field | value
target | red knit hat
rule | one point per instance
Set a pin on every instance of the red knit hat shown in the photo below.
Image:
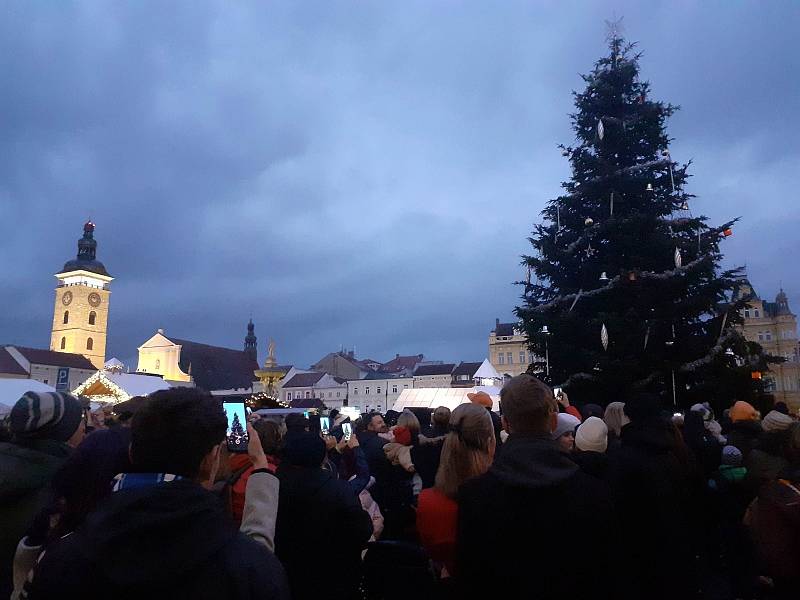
(402, 435)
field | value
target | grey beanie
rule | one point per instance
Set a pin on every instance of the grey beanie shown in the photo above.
(46, 415)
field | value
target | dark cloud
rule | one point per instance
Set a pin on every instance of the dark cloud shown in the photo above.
(353, 175)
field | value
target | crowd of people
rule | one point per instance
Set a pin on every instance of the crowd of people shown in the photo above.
(543, 500)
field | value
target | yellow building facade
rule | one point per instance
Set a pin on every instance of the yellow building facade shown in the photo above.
(774, 326)
(508, 349)
(80, 315)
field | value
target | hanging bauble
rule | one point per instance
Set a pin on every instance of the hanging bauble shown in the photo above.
(545, 331)
(665, 153)
(600, 129)
(564, 153)
(604, 336)
(755, 375)
(604, 277)
(589, 221)
(684, 205)
(649, 187)
(727, 232)
(729, 352)
(678, 258)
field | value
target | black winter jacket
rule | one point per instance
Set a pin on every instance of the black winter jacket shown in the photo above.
(171, 540)
(519, 525)
(320, 520)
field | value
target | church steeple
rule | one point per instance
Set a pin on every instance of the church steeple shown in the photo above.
(87, 254)
(250, 341)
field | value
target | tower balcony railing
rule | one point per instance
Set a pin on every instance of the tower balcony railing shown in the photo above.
(103, 286)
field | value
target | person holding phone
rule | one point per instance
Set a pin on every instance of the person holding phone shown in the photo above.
(162, 532)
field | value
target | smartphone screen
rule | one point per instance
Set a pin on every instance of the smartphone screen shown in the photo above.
(236, 435)
(556, 392)
(325, 425)
(305, 414)
(347, 430)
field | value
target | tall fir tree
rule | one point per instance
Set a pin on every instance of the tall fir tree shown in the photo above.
(625, 291)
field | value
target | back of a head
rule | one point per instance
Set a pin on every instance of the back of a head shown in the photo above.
(615, 417)
(45, 415)
(269, 433)
(643, 407)
(175, 430)
(466, 449)
(409, 420)
(296, 422)
(304, 449)
(440, 418)
(527, 404)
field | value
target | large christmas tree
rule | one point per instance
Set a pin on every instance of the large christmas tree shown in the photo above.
(624, 290)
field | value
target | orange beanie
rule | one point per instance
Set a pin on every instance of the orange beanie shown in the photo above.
(743, 411)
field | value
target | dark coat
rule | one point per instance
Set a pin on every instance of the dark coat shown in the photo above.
(592, 463)
(393, 489)
(171, 540)
(653, 496)
(319, 519)
(518, 526)
(25, 475)
(426, 454)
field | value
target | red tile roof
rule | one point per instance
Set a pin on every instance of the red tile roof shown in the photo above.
(8, 365)
(400, 363)
(434, 370)
(216, 368)
(56, 359)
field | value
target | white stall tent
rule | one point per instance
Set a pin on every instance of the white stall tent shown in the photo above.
(449, 397)
(11, 390)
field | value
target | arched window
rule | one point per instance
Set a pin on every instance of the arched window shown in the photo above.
(66, 317)
(63, 343)
(89, 344)
(158, 364)
(92, 317)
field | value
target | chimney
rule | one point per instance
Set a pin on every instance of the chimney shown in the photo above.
(497, 323)
(397, 355)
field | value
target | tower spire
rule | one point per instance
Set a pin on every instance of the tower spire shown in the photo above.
(250, 341)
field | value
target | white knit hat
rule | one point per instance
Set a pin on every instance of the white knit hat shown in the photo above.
(592, 435)
(566, 423)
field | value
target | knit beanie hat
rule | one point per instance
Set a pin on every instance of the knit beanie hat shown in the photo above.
(304, 449)
(704, 409)
(742, 411)
(46, 415)
(592, 435)
(731, 456)
(776, 421)
(402, 435)
(566, 422)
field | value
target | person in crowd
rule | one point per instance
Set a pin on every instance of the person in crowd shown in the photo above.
(591, 410)
(76, 489)
(615, 419)
(316, 513)
(45, 428)
(241, 464)
(391, 419)
(162, 533)
(406, 433)
(653, 496)
(468, 452)
(704, 446)
(711, 424)
(295, 423)
(591, 443)
(782, 408)
(774, 521)
(426, 453)
(729, 499)
(744, 429)
(564, 433)
(483, 399)
(768, 456)
(529, 509)
(348, 462)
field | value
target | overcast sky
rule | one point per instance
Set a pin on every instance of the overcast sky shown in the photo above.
(361, 174)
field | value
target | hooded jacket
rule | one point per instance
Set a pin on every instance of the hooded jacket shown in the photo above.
(320, 518)
(527, 513)
(652, 493)
(25, 474)
(170, 540)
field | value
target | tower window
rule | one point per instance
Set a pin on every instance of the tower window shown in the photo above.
(92, 317)
(63, 343)
(89, 344)
(66, 317)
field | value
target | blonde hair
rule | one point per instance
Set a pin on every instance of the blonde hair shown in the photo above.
(466, 450)
(615, 417)
(409, 420)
